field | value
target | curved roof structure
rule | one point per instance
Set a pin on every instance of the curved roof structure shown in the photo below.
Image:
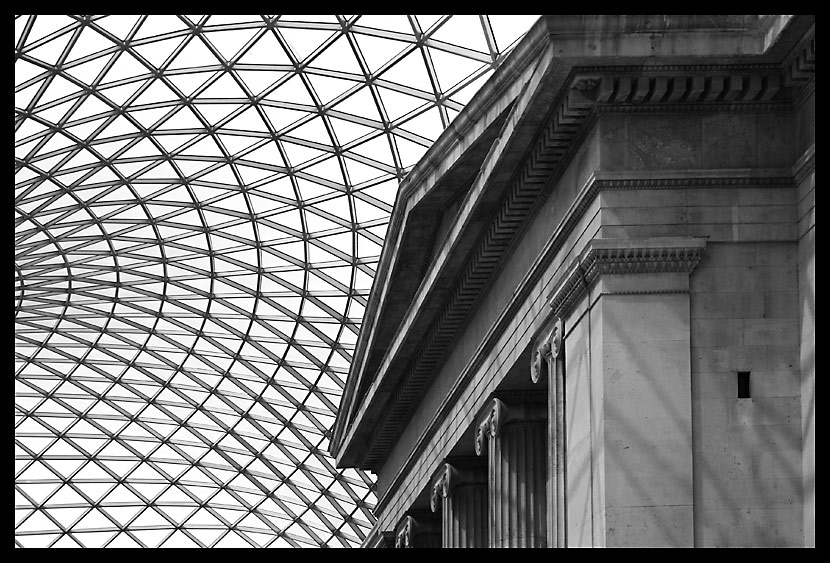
(200, 202)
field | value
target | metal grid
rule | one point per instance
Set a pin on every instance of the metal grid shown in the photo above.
(200, 204)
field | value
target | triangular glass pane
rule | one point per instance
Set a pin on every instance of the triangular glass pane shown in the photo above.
(292, 91)
(507, 28)
(410, 71)
(281, 117)
(259, 80)
(189, 82)
(248, 120)
(428, 124)
(51, 51)
(360, 104)
(409, 151)
(377, 149)
(125, 67)
(159, 25)
(194, 55)
(398, 104)
(313, 130)
(116, 94)
(45, 25)
(119, 25)
(303, 42)
(88, 71)
(298, 154)
(266, 51)
(123, 540)
(464, 30)
(266, 154)
(224, 88)
(328, 88)
(229, 41)
(450, 68)
(377, 51)
(338, 57)
(397, 22)
(157, 52)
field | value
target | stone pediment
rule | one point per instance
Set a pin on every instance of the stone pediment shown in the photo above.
(403, 341)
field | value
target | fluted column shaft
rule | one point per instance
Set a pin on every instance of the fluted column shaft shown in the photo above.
(465, 516)
(517, 474)
(461, 494)
(549, 363)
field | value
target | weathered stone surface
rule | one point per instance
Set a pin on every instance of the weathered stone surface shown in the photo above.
(728, 141)
(649, 526)
(658, 142)
(776, 140)
(614, 143)
(756, 527)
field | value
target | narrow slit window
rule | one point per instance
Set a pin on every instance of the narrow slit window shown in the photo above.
(743, 385)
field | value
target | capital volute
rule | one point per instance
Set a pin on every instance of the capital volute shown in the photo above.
(489, 424)
(441, 486)
(403, 535)
(550, 347)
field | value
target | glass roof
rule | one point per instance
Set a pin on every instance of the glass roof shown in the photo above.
(200, 205)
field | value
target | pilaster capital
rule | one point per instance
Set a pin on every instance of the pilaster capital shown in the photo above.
(547, 348)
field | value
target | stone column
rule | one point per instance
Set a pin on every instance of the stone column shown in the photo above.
(549, 362)
(516, 463)
(461, 493)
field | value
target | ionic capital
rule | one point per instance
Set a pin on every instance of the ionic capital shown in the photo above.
(441, 485)
(549, 347)
(489, 424)
(403, 534)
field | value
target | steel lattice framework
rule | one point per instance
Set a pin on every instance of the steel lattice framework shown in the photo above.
(200, 203)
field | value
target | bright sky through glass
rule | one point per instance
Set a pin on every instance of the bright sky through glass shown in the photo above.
(200, 205)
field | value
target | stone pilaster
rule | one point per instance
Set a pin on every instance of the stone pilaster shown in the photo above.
(461, 494)
(639, 392)
(516, 472)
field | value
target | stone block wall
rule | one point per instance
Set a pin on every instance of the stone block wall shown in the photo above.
(738, 482)
(744, 318)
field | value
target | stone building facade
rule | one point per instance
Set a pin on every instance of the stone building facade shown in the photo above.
(593, 319)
